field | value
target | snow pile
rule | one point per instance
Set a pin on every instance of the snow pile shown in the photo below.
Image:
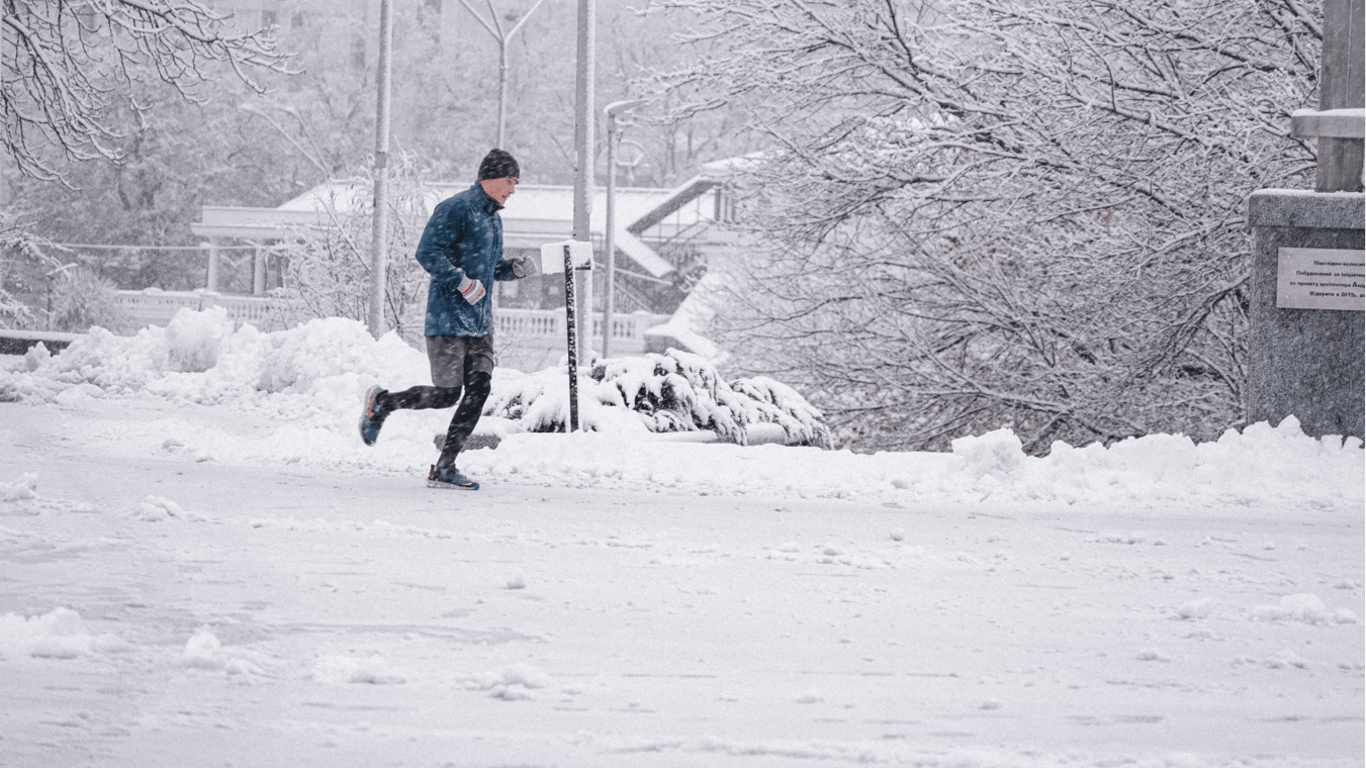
(205, 652)
(26, 487)
(1196, 609)
(1259, 464)
(60, 634)
(156, 509)
(36, 356)
(515, 682)
(1305, 608)
(199, 358)
(304, 359)
(194, 339)
(371, 669)
(997, 453)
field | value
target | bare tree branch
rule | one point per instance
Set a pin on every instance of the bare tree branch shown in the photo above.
(66, 66)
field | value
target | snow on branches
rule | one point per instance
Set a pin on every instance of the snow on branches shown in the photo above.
(1004, 212)
(66, 65)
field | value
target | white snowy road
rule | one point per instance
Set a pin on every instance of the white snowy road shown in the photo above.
(156, 610)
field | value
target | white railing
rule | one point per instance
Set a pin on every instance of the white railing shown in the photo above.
(549, 323)
(153, 307)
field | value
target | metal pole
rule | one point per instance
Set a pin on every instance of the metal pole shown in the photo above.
(583, 138)
(380, 234)
(502, 91)
(610, 255)
(573, 342)
(609, 244)
(583, 189)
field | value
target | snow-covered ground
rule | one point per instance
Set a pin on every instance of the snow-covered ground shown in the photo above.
(202, 566)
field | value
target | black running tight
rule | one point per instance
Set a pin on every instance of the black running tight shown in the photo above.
(476, 391)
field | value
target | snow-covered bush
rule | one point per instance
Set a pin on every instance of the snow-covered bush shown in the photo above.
(82, 299)
(673, 392)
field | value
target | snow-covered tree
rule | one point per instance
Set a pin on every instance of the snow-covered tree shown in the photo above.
(64, 64)
(18, 275)
(988, 212)
(327, 270)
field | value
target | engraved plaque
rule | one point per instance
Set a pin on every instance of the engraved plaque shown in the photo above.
(1321, 278)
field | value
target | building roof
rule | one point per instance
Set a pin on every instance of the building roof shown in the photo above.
(535, 215)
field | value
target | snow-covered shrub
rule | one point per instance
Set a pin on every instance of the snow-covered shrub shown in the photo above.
(82, 299)
(773, 402)
(673, 392)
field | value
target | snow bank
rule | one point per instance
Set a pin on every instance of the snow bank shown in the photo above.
(1260, 466)
(308, 383)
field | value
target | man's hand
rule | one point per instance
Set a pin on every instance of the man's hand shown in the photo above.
(524, 266)
(471, 289)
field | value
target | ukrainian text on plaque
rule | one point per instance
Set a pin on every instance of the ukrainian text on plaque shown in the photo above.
(1321, 278)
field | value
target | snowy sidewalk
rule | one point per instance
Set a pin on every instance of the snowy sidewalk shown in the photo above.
(169, 601)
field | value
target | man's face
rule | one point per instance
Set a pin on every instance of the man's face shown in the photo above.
(500, 189)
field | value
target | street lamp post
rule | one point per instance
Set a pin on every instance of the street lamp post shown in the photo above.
(380, 230)
(583, 154)
(612, 110)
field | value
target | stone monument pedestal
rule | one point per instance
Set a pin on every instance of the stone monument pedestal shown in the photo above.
(1307, 362)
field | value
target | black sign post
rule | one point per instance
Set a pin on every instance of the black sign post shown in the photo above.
(573, 341)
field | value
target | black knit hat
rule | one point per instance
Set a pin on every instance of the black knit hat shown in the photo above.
(498, 164)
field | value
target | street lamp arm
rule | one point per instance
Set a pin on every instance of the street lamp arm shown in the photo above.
(617, 107)
(522, 20)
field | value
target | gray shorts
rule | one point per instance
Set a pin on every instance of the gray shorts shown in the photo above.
(455, 357)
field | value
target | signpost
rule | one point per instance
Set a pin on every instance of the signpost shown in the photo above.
(577, 255)
(573, 340)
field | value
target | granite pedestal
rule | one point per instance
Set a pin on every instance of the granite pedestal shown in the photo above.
(1304, 362)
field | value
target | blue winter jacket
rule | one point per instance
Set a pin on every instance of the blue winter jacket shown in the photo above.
(463, 237)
